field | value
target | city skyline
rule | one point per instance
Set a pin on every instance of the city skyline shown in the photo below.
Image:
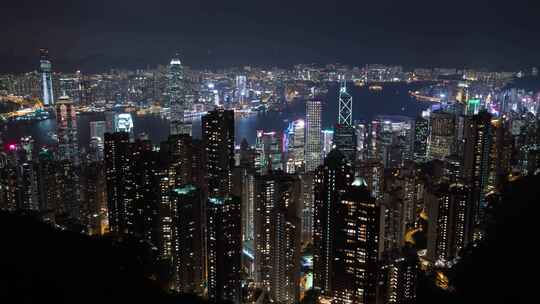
(319, 183)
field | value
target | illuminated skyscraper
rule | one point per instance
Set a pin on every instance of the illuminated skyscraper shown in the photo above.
(184, 160)
(66, 123)
(268, 146)
(178, 101)
(307, 180)
(331, 181)
(46, 78)
(218, 143)
(346, 234)
(441, 135)
(313, 135)
(450, 225)
(294, 145)
(361, 141)
(241, 89)
(224, 248)
(345, 105)
(327, 141)
(344, 133)
(400, 276)
(123, 123)
(277, 235)
(187, 212)
(356, 247)
(118, 169)
(421, 132)
(478, 135)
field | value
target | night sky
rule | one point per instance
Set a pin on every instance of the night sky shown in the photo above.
(100, 34)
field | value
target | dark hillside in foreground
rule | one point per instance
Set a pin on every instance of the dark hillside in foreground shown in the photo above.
(40, 264)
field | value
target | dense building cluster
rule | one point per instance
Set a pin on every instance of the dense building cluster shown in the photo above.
(356, 214)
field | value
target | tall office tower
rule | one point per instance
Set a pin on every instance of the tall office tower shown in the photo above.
(277, 235)
(268, 146)
(327, 142)
(223, 248)
(178, 101)
(46, 78)
(218, 143)
(450, 225)
(361, 141)
(421, 132)
(400, 275)
(294, 146)
(344, 133)
(187, 212)
(66, 123)
(396, 139)
(345, 105)
(118, 172)
(441, 139)
(331, 180)
(307, 180)
(98, 129)
(478, 141)
(313, 147)
(241, 89)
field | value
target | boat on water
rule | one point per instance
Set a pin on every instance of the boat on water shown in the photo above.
(376, 87)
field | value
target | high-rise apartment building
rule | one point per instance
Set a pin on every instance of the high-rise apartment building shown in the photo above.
(218, 145)
(346, 234)
(277, 235)
(223, 248)
(187, 213)
(450, 227)
(441, 139)
(331, 180)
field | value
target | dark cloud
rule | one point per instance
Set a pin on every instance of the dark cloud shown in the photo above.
(99, 34)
